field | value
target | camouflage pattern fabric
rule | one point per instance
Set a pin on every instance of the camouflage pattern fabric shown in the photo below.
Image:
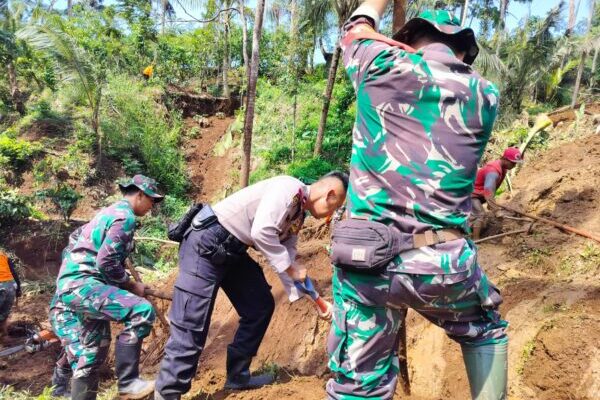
(8, 294)
(87, 297)
(81, 319)
(99, 250)
(145, 184)
(368, 310)
(422, 122)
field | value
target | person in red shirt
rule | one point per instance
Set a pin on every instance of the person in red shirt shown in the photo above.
(488, 179)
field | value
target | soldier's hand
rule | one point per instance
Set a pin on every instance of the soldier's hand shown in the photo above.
(298, 274)
(138, 288)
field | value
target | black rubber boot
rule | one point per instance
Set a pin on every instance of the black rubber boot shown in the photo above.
(85, 388)
(60, 381)
(238, 373)
(127, 368)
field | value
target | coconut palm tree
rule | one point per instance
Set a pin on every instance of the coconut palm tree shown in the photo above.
(251, 96)
(72, 64)
(11, 17)
(316, 13)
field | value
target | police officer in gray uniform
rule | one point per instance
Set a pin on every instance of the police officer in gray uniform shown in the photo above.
(267, 216)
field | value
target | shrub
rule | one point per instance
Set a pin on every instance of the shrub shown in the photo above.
(13, 207)
(16, 153)
(63, 197)
(310, 170)
(138, 127)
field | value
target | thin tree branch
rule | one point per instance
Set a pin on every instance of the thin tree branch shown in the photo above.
(203, 21)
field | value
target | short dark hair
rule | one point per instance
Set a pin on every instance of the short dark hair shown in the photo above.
(341, 176)
(129, 190)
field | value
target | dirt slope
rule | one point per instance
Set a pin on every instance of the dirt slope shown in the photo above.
(549, 281)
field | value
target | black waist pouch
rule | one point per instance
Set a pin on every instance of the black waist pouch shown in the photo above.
(366, 246)
(177, 229)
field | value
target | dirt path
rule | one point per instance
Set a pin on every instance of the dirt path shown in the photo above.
(209, 173)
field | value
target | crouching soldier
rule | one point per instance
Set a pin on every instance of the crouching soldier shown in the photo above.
(94, 289)
(267, 216)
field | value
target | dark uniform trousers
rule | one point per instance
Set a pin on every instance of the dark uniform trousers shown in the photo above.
(206, 264)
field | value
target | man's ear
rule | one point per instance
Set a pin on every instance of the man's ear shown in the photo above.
(331, 195)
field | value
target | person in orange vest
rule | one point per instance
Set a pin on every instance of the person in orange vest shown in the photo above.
(148, 71)
(10, 288)
(489, 178)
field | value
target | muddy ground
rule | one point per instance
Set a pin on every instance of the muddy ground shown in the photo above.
(549, 281)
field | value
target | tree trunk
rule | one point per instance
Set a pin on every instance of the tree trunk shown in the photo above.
(69, 8)
(399, 17)
(251, 97)
(226, 92)
(464, 13)
(578, 81)
(594, 63)
(244, 35)
(501, 25)
(327, 100)
(294, 112)
(15, 93)
(163, 16)
(571, 20)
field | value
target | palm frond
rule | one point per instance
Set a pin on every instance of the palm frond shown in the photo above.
(70, 61)
(489, 62)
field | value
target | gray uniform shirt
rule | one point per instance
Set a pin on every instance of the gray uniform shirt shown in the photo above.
(268, 216)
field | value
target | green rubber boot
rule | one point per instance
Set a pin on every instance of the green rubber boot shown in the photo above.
(487, 368)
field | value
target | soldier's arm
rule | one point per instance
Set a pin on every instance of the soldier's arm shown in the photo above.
(361, 43)
(113, 251)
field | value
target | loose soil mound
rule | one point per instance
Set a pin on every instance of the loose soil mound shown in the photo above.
(191, 103)
(548, 280)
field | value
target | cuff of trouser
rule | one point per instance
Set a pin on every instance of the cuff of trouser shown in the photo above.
(366, 10)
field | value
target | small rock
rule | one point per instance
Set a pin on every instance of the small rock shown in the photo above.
(220, 115)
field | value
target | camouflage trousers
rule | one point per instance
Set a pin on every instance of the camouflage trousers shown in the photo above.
(81, 319)
(368, 310)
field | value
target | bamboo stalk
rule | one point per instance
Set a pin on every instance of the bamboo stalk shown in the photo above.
(558, 225)
(156, 240)
(485, 239)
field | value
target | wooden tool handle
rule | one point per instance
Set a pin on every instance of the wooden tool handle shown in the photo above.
(137, 278)
(322, 304)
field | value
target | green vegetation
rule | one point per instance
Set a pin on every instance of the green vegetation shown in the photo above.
(526, 354)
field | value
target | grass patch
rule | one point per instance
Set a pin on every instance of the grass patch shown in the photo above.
(526, 354)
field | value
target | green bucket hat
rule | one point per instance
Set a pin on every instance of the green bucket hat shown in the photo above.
(445, 22)
(145, 184)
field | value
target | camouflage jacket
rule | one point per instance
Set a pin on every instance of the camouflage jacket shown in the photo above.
(97, 251)
(422, 122)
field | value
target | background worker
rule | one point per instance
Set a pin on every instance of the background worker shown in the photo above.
(268, 216)
(10, 289)
(94, 289)
(423, 119)
(488, 180)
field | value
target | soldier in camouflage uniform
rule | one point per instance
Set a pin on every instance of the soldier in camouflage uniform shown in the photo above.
(424, 117)
(93, 289)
